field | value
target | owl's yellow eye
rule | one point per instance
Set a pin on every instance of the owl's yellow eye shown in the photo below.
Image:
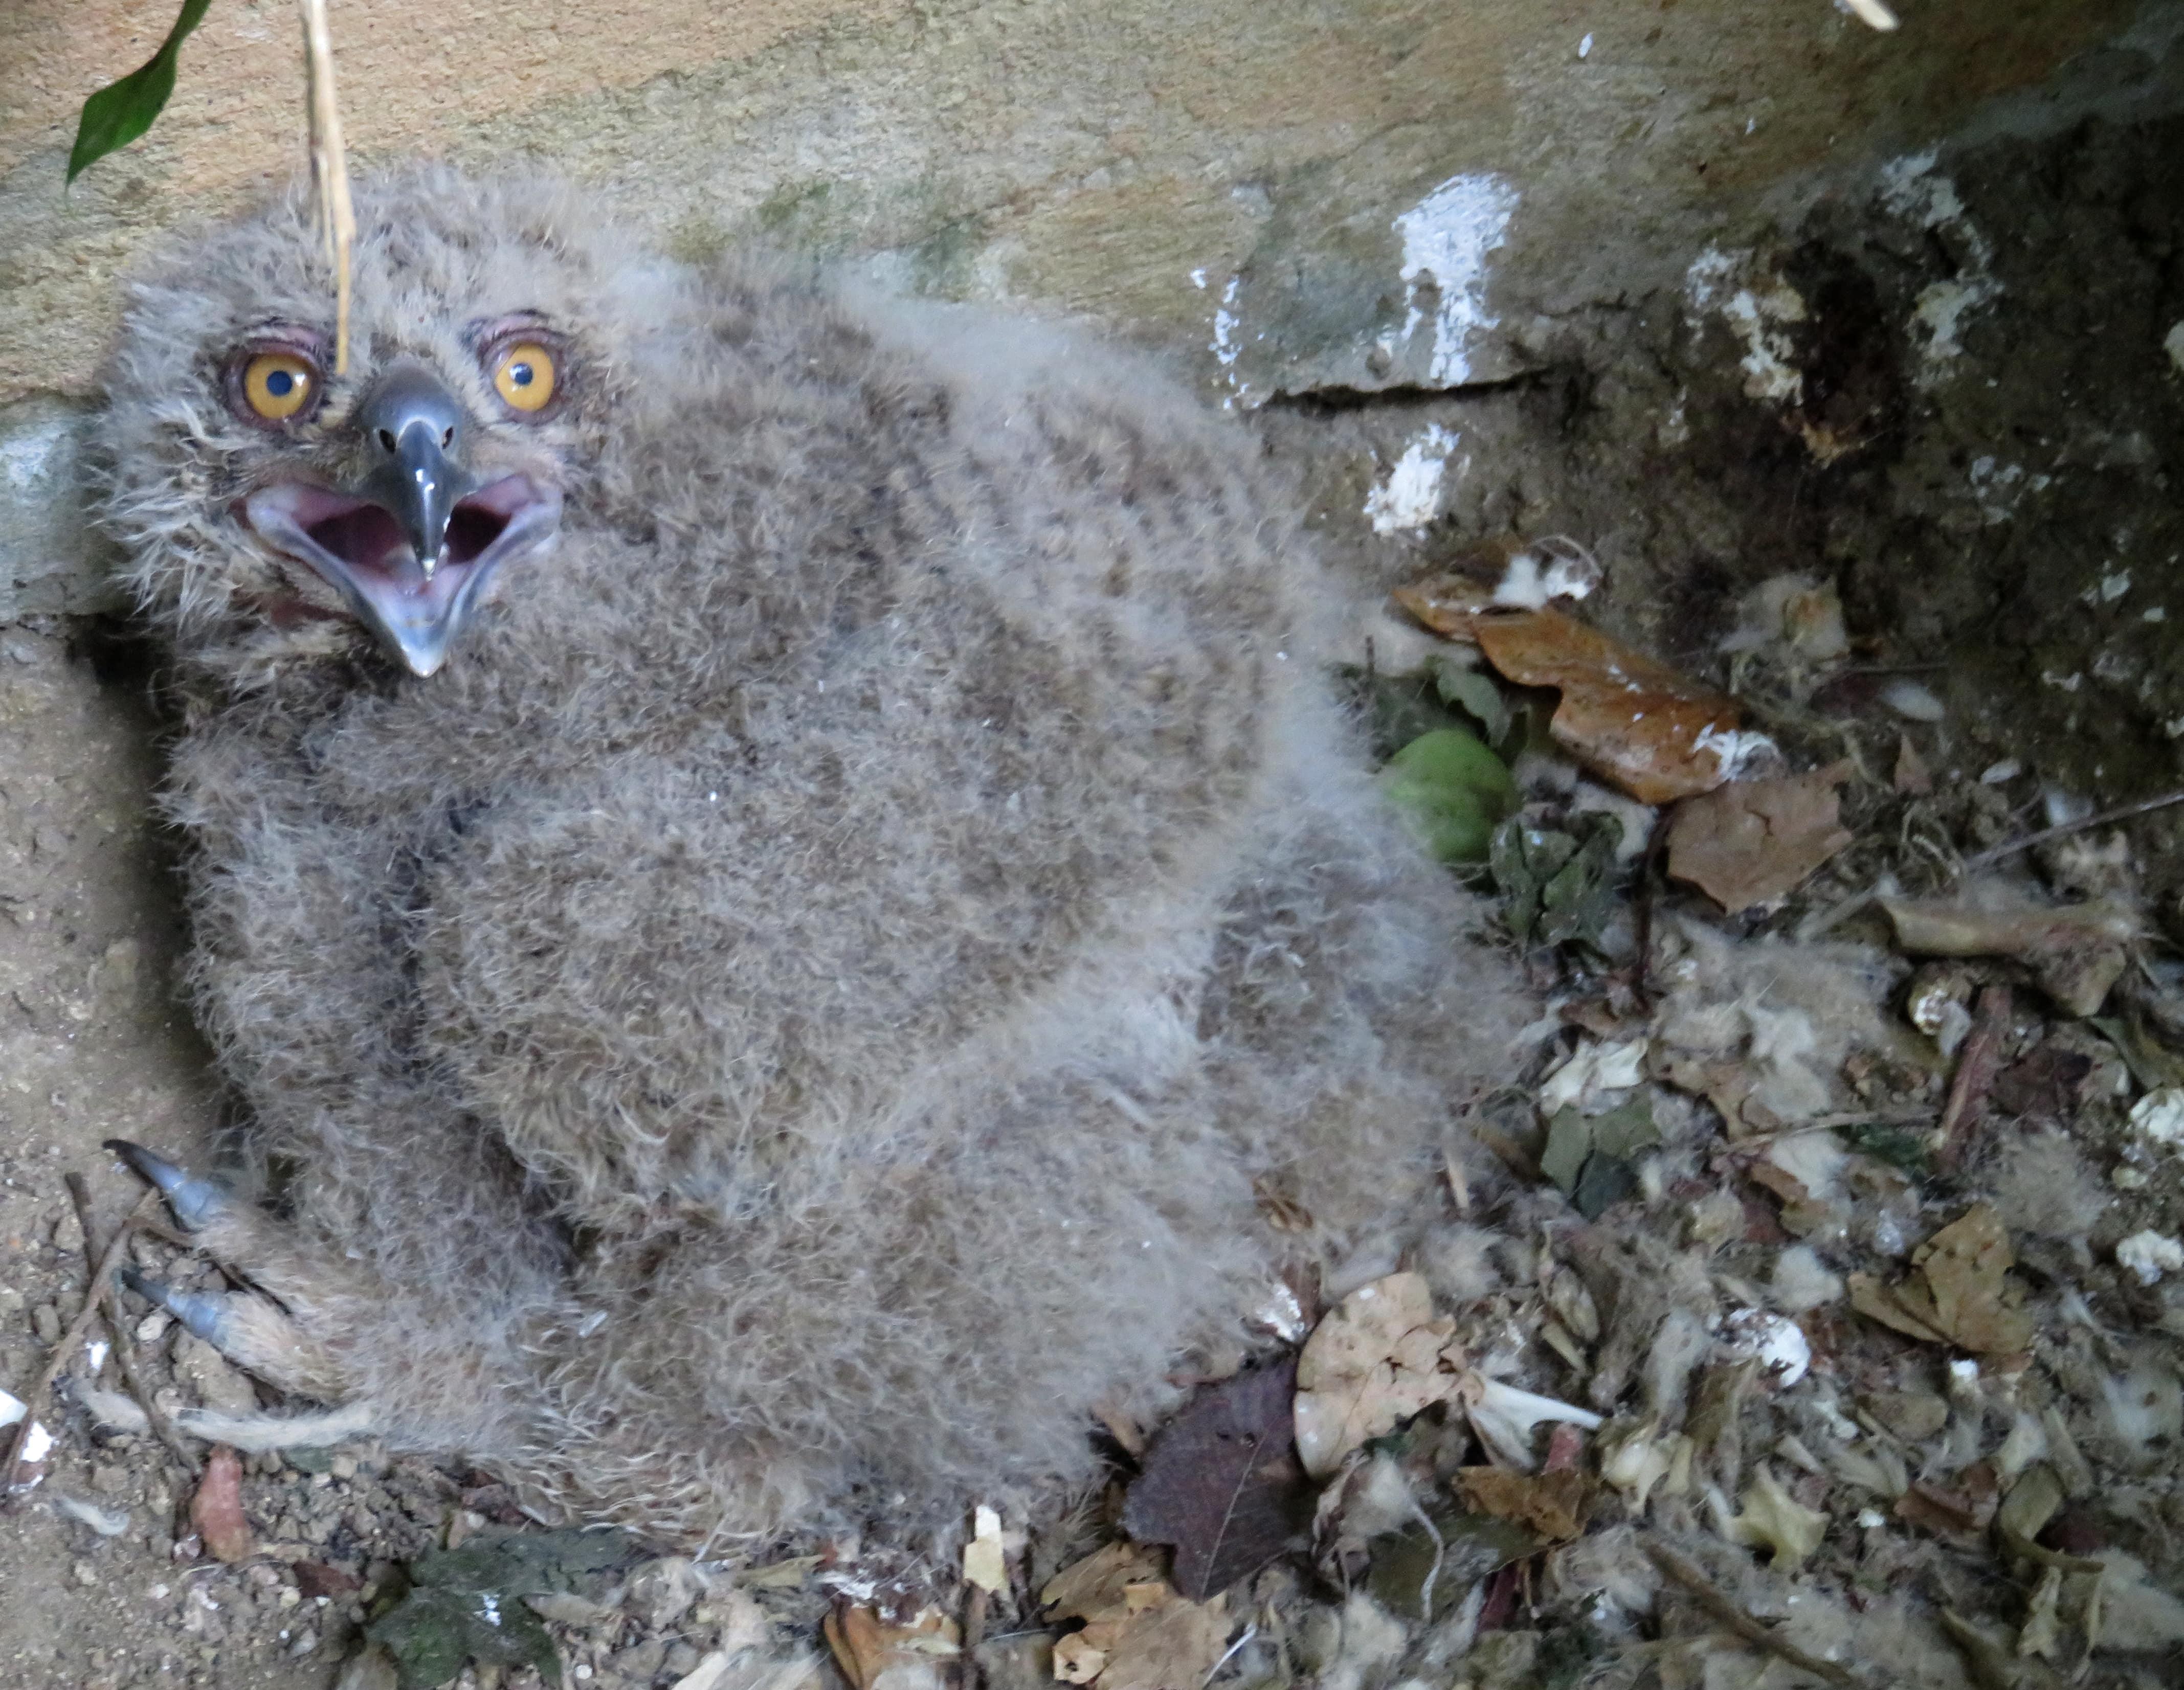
(277, 385)
(523, 376)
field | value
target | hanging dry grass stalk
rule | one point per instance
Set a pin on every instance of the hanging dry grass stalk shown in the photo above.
(329, 168)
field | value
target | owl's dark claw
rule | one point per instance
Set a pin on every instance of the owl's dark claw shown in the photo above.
(206, 1314)
(193, 1201)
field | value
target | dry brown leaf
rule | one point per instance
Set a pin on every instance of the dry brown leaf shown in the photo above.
(1657, 734)
(1172, 1646)
(1552, 1505)
(1376, 1360)
(1447, 604)
(874, 1654)
(1138, 1634)
(1750, 840)
(1097, 1585)
(1958, 1291)
(985, 1560)
(1222, 1484)
(216, 1509)
(1075, 1660)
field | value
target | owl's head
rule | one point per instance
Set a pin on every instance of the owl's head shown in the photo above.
(271, 502)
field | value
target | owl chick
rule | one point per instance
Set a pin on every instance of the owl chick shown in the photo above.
(775, 874)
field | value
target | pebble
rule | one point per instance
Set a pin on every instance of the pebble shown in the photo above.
(218, 1385)
(67, 1234)
(45, 1322)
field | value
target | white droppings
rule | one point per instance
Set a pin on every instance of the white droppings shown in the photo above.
(2150, 1255)
(2160, 1115)
(2153, 613)
(2110, 588)
(1198, 279)
(1912, 702)
(1775, 1342)
(2000, 773)
(1584, 47)
(1912, 190)
(1756, 315)
(2062, 683)
(1410, 498)
(1446, 237)
(39, 1444)
(1740, 751)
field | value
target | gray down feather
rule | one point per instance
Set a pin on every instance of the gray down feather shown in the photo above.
(828, 984)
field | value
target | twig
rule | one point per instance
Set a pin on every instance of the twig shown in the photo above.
(1649, 866)
(125, 1346)
(2064, 830)
(1689, 1575)
(65, 1351)
(329, 168)
(1974, 1076)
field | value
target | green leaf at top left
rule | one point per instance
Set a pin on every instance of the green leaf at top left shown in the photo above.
(1453, 789)
(121, 111)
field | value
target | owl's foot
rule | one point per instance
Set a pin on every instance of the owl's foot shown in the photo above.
(276, 1336)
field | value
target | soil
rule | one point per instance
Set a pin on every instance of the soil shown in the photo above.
(1953, 395)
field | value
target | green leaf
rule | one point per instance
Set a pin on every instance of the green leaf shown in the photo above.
(1477, 696)
(121, 111)
(467, 1602)
(435, 1631)
(1453, 789)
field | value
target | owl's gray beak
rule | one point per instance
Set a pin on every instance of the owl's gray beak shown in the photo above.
(412, 424)
(414, 546)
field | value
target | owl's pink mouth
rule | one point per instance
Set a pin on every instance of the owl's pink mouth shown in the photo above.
(358, 548)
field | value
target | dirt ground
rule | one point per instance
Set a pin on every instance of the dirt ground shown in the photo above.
(1956, 398)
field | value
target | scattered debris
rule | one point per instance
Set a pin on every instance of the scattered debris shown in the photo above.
(2076, 951)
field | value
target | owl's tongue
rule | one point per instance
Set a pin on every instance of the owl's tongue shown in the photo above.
(359, 549)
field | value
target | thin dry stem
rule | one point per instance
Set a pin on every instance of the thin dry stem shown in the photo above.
(1693, 1579)
(65, 1351)
(125, 1343)
(2064, 830)
(330, 169)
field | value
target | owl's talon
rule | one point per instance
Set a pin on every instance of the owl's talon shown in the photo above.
(206, 1314)
(193, 1202)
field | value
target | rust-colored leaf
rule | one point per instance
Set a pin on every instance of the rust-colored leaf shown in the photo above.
(1657, 734)
(216, 1509)
(1750, 840)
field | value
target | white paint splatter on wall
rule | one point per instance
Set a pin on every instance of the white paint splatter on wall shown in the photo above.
(1446, 237)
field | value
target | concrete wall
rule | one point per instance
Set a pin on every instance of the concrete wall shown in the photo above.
(1306, 195)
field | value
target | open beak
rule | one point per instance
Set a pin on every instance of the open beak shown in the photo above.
(414, 545)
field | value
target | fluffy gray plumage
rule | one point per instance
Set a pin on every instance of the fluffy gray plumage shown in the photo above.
(812, 997)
